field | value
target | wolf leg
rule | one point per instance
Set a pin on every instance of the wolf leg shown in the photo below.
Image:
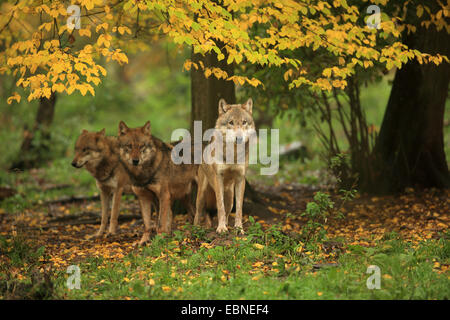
(165, 213)
(105, 197)
(240, 189)
(189, 207)
(208, 220)
(145, 200)
(200, 200)
(115, 211)
(222, 225)
(228, 200)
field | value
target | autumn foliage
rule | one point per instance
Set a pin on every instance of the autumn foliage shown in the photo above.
(46, 56)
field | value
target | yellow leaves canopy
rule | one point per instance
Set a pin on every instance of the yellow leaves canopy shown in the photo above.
(261, 32)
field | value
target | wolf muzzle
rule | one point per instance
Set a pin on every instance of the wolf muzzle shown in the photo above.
(75, 164)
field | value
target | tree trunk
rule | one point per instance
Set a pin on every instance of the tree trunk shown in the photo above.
(35, 145)
(206, 92)
(410, 148)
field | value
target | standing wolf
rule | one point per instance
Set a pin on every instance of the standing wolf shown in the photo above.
(99, 155)
(148, 162)
(234, 127)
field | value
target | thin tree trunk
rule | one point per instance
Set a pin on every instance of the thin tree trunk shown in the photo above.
(34, 151)
(410, 148)
(206, 92)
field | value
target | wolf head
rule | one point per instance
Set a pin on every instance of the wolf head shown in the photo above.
(235, 121)
(135, 144)
(89, 148)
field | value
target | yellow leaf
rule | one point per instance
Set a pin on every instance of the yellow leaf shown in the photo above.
(187, 65)
(123, 29)
(102, 26)
(84, 32)
(326, 72)
(206, 245)
(287, 74)
(89, 4)
(419, 11)
(47, 92)
(15, 96)
(58, 87)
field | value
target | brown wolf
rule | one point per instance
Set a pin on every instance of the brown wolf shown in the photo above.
(235, 125)
(100, 156)
(148, 162)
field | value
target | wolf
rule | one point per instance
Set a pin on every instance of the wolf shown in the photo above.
(99, 154)
(234, 127)
(148, 162)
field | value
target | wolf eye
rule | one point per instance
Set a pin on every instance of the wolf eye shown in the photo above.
(231, 122)
(244, 122)
(85, 149)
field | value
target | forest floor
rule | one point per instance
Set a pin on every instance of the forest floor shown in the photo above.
(406, 236)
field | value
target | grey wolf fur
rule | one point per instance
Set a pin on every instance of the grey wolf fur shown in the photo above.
(99, 154)
(148, 162)
(223, 180)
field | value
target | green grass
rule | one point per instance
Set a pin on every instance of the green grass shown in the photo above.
(178, 268)
(29, 190)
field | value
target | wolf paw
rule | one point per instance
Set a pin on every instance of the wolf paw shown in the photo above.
(221, 229)
(208, 222)
(142, 243)
(239, 229)
(96, 235)
(137, 244)
(196, 221)
(110, 234)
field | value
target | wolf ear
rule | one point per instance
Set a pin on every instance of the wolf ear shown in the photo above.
(146, 129)
(84, 131)
(223, 107)
(102, 132)
(248, 106)
(123, 129)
